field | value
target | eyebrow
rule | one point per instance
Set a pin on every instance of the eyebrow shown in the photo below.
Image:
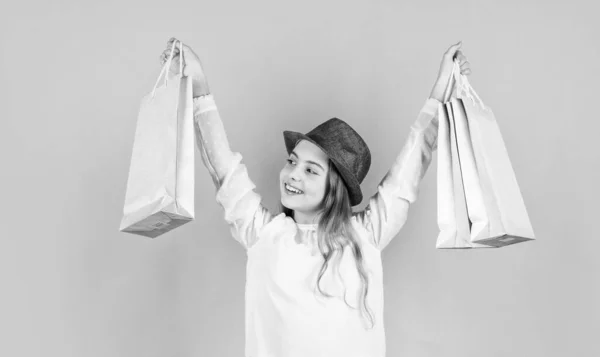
(309, 161)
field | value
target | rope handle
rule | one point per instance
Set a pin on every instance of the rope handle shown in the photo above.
(462, 84)
(167, 65)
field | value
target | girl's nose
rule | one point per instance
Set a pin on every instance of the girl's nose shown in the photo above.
(294, 174)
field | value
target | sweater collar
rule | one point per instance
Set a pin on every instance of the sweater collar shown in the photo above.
(312, 226)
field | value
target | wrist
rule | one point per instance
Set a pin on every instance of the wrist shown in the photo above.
(438, 90)
(200, 88)
(200, 93)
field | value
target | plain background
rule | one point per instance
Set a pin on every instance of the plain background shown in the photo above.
(72, 77)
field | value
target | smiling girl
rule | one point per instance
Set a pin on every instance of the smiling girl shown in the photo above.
(316, 241)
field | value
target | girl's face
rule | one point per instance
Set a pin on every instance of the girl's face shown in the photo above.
(306, 170)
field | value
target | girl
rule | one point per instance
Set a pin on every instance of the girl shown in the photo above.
(289, 253)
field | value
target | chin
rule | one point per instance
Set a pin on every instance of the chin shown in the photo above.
(284, 199)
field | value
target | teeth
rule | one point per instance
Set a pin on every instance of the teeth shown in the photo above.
(292, 189)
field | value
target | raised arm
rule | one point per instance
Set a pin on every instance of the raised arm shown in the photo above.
(235, 191)
(211, 139)
(387, 211)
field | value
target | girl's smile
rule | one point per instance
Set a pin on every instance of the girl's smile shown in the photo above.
(292, 190)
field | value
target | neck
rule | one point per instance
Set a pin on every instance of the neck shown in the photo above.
(303, 218)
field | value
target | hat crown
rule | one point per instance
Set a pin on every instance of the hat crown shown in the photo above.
(343, 144)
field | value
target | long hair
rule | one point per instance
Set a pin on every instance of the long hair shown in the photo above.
(335, 231)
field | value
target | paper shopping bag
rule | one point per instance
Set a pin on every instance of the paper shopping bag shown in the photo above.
(160, 186)
(496, 214)
(453, 220)
(494, 200)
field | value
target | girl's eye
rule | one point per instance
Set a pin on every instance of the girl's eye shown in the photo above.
(309, 170)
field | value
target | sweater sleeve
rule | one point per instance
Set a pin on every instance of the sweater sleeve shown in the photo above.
(387, 210)
(242, 206)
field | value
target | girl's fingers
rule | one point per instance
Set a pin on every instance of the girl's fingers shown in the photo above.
(459, 56)
(175, 48)
(166, 53)
(169, 46)
(164, 57)
(453, 49)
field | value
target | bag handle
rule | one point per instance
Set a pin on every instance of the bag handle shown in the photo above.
(450, 84)
(167, 65)
(463, 85)
(470, 92)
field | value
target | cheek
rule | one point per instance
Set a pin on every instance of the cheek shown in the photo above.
(323, 190)
(318, 189)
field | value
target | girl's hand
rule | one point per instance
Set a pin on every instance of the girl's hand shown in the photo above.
(448, 62)
(445, 71)
(192, 67)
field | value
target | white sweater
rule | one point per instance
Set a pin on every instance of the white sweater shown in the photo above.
(286, 316)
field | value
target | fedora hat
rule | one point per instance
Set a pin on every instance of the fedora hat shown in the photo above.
(346, 149)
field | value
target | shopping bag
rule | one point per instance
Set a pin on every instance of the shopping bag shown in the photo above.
(494, 200)
(160, 186)
(453, 219)
(495, 210)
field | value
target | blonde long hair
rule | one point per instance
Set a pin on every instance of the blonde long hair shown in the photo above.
(335, 230)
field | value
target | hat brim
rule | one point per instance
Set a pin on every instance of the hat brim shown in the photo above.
(291, 138)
